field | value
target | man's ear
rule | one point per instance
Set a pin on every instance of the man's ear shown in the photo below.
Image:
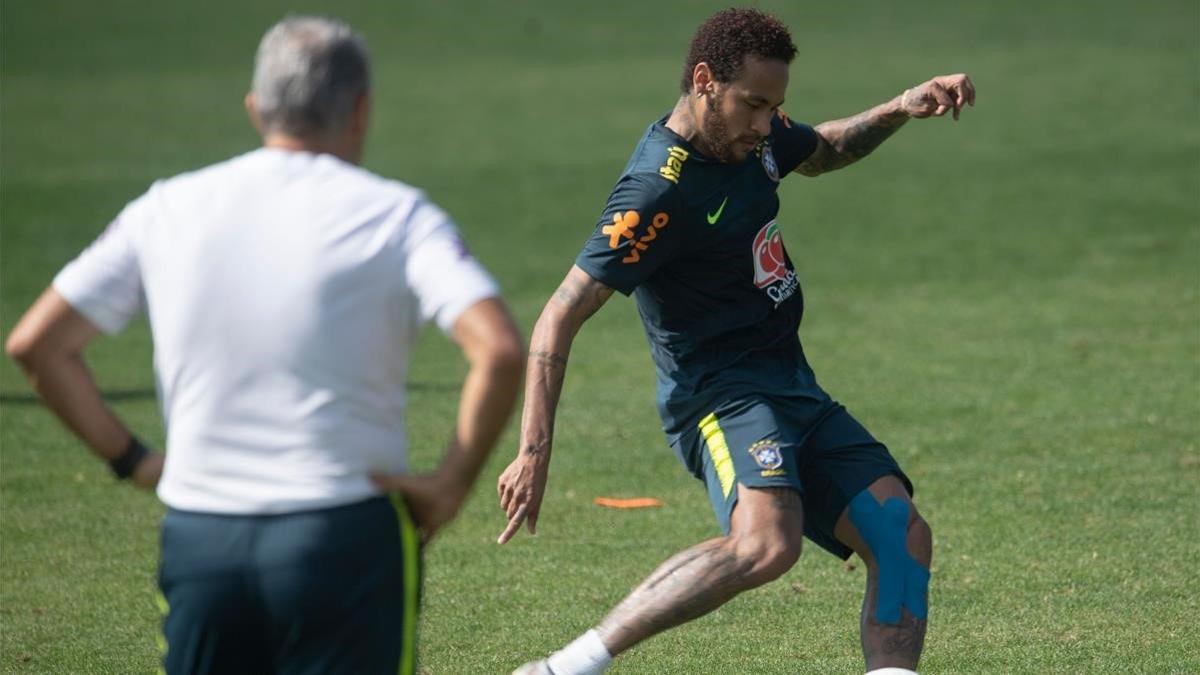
(360, 116)
(702, 79)
(252, 112)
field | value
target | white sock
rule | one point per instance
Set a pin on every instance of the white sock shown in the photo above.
(585, 656)
(892, 671)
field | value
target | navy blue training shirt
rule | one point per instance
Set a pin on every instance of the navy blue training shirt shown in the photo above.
(695, 240)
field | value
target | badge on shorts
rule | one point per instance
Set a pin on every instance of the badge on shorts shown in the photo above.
(767, 454)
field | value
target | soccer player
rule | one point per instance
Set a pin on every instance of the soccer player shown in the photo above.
(284, 288)
(690, 230)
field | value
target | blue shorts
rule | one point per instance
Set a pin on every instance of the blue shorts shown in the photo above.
(761, 442)
(328, 591)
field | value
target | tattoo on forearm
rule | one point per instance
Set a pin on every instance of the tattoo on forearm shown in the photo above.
(552, 359)
(536, 449)
(864, 132)
(849, 140)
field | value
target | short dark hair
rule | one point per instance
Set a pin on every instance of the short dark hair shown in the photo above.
(729, 36)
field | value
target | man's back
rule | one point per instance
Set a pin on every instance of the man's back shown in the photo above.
(284, 291)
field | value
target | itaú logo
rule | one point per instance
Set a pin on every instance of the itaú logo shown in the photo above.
(769, 264)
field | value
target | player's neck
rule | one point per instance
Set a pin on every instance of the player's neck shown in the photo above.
(345, 150)
(685, 122)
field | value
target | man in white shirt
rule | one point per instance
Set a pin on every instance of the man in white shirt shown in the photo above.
(285, 288)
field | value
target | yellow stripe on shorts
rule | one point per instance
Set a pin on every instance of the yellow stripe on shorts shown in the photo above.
(410, 543)
(164, 608)
(718, 449)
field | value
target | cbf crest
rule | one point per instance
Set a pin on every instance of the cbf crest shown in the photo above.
(768, 161)
(767, 454)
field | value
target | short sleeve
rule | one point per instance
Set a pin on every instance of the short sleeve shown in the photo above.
(640, 229)
(792, 142)
(104, 283)
(440, 269)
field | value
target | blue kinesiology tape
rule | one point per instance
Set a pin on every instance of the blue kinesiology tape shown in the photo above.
(903, 582)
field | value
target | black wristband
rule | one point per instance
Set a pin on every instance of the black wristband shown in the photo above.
(124, 465)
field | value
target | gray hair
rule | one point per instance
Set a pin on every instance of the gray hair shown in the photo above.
(308, 73)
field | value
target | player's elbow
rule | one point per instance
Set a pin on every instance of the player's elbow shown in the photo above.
(505, 355)
(501, 354)
(25, 347)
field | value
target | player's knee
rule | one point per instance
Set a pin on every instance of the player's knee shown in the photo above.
(920, 540)
(766, 558)
(900, 544)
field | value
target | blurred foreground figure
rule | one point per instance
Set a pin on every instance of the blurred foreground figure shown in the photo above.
(690, 229)
(285, 289)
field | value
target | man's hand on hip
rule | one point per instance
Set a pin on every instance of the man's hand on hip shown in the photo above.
(433, 499)
(148, 471)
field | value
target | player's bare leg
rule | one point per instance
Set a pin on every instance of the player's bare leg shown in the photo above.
(897, 639)
(763, 543)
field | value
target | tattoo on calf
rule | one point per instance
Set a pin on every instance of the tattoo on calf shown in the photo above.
(885, 642)
(688, 585)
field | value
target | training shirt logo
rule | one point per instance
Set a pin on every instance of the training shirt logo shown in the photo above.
(767, 455)
(676, 156)
(623, 228)
(771, 271)
(716, 215)
(768, 162)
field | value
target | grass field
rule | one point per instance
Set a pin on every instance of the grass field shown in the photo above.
(1012, 303)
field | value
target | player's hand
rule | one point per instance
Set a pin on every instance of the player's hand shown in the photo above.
(935, 97)
(148, 471)
(521, 487)
(433, 499)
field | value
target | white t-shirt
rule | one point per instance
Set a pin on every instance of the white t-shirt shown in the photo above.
(285, 291)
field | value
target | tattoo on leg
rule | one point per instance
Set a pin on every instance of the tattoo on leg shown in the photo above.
(886, 644)
(904, 639)
(688, 585)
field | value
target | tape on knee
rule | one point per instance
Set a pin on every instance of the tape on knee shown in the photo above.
(903, 582)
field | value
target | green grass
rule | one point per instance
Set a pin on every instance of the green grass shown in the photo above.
(1012, 303)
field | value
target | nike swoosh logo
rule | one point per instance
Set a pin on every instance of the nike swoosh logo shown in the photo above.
(714, 217)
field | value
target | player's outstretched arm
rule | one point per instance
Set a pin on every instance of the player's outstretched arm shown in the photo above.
(845, 141)
(523, 483)
(490, 341)
(48, 344)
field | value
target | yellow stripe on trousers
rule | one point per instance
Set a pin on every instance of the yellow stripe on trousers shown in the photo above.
(718, 450)
(410, 543)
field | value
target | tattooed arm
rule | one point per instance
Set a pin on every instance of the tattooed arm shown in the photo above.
(845, 141)
(523, 483)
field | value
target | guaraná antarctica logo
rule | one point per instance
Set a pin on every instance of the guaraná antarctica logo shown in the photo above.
(771, 271)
